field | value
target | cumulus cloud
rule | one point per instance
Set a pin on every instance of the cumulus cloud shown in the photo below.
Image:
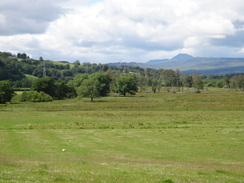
(128, 30)
(27, 16)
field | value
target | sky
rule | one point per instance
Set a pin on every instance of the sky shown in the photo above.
(103, 31)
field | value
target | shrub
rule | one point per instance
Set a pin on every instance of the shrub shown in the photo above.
(220, 84)
(211, 84)
(34, 96)
(6, 92)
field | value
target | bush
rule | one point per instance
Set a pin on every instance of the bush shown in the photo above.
(210, 84)
(34, 96)
(6, 92)
(220, 84)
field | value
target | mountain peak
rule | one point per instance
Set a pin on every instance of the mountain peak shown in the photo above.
(182, 56)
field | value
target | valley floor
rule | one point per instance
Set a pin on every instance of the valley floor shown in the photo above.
(162, 137)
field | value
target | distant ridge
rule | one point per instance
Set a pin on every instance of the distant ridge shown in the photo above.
(157, 60)
(128, 64)
(187, 63)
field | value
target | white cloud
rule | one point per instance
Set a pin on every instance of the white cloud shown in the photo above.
(131, 30)
(28, 16)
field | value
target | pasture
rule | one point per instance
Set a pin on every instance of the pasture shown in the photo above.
(162, 138)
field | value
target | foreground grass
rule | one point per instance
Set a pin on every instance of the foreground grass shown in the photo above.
(146, 138)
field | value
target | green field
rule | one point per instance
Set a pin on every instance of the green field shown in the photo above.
(162, 138)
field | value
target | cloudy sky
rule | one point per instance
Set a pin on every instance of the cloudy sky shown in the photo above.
(102, 31)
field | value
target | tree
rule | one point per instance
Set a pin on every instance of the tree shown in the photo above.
(142, 82)
(64, 91)
(6, 92)
(22, 55)
(77, 62)
(155, 84)
(38, 71)
(105, 81)
(126, 84)
(10, 69)
(237, 81)
(198, 83)
(227, 82)
(103, 78)
(220, 84)
(90, 88)
(233, 82)
(169, 78)
(46, 85)
(240, 82)
(188, 81)
(77, 81)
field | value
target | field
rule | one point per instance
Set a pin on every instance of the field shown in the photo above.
(162, 138)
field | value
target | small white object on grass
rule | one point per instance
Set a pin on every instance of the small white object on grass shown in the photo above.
(63, 150)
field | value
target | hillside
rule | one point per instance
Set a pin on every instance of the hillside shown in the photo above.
(23, 68)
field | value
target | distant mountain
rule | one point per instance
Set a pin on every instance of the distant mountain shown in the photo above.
(187, 64)
(182, 56)
(128, 64)
(222, 71)
(152, 63)
(203, 63)
(156, 61)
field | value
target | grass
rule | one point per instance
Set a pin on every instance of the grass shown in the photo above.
(31, 76)
(163, 137)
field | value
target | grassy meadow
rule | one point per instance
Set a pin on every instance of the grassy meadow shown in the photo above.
(162, 138)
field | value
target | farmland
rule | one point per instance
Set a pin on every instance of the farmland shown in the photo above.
(162, 137)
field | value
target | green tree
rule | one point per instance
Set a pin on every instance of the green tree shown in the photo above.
(26, 82)
(77, 81)
(169, 76)
(220, 84)
(142, 82)
(233, 82)
(227, 82)
(105, 81)
(6, 92)
(155, 84)
(188, 81)
(46, 85)
(198, 83)
(126, 84)
(240, 82)
(64, 91)
(90, 88)
(103, 78)
(10, 69)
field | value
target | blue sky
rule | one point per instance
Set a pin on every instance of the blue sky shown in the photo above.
(91, 2)
(102, 31)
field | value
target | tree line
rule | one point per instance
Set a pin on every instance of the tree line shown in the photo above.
(65, 80)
